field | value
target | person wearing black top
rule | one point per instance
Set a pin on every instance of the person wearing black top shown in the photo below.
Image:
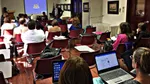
(57, 12)
(141, 32)
(4, 14)
(141, 64)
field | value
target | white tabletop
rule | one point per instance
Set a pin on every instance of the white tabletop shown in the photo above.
(6, 68)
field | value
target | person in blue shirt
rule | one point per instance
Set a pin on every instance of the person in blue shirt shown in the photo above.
(75, 24)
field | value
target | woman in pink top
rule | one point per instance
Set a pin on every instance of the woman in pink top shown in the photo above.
(123, 36)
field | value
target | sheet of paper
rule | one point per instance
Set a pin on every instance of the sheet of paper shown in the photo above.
(84, 48)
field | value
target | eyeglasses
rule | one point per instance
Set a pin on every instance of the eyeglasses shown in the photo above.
(131, 56)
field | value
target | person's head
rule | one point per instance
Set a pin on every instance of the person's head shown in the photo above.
(25, 16)
(55, 23)
(31, 24)
(7, 20)
(142, 26)
(38, 25)
(125, 28)
(141, 60)
(75, 71)
(4, 9)
(22, 21)
(76, 21)
(43, 13)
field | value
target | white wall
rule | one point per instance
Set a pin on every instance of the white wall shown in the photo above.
(114, 19)
(95, 14)
(18, 5)
(14, 5)
(65, 13)
(0, 7)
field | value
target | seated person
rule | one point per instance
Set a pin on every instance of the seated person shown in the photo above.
(7, 25)
(31, 36)
(44, 17)
(140, 62)
(124, 36)
(75, 71)
(141, 32)
(39, 28)
(75, 24)
(22, 28)
(55, 27)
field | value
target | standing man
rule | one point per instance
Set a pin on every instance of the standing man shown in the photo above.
(57, 12)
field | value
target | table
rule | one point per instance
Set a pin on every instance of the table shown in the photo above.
(6, 68)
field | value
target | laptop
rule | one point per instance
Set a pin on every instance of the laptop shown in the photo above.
(109, 69)
(56, 66)
(68, 26)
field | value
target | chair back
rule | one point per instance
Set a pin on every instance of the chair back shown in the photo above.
(63, 28)
(8, 32)
(18, 38)
(104, 36)
(2, 58)
(62, 43)
(87, 39)
(36, 48)
(2, 79)
(75, 33)
(44, 66)
(90, 30)
(52, 34)
(143, 42)
(2, 46)
(89, 57)
(120, 50)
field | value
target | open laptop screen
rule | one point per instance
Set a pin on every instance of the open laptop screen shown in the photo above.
(106, 60)
(57, 65)
(68, 26)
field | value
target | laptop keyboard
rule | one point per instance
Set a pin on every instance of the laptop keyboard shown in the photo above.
(112, 75)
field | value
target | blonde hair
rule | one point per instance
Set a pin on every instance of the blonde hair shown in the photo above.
(76, 21)
(141, 56)
(55, 23)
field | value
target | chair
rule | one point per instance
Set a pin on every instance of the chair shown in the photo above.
(63, 28)
(104, 37)
(2, 45)
(87, 40)
(75, 33)
(2, 58)
(18, 38)
(120, 50)
(52, 34)
(90, 30)
(36, 48)
(8, 32)
(62, 43)
(89, 57)
(143, 42)
(2, 79)
(44, 66)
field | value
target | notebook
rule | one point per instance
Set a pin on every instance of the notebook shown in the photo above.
(56, 66)
(109, 69)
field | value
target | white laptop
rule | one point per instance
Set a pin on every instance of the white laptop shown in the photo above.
(68, 26)
(109, 69)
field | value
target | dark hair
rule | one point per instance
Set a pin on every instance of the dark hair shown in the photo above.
(125, 28)
(75, 71)
(7, 20)
(55, 23)
(31, 24)
(38, 25)
(141, 56)
(143, 26)
(22, 21)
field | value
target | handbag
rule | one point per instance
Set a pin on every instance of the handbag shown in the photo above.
(108, 45)
(50, 52)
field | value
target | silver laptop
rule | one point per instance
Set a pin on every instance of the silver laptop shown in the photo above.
(109, 69)
(56, 66)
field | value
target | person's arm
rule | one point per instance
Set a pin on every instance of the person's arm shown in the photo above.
(115, 45)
